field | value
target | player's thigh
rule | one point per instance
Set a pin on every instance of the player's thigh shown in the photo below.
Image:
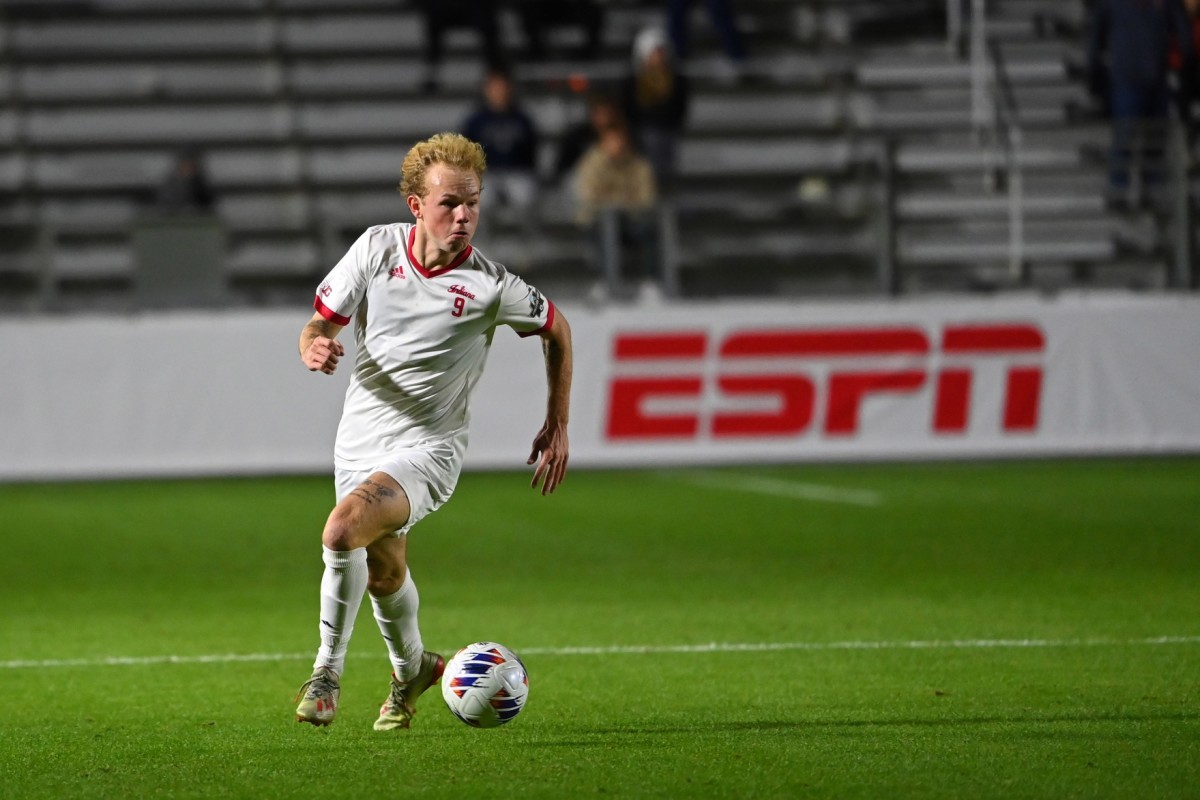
(376, 508)
(428, 475)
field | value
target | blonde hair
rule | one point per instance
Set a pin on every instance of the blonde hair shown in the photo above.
(450, 149)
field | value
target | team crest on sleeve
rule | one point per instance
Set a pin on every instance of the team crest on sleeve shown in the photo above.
(325, 289)
(537, 303)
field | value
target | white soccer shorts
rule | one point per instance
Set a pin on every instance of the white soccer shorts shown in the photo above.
(427, 474)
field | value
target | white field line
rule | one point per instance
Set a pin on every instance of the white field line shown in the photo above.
(711, 647)
(777, 487)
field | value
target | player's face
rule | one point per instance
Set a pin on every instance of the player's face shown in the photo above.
(449, 210)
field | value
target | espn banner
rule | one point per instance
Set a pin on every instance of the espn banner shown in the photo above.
(958, 377)
(200, 394)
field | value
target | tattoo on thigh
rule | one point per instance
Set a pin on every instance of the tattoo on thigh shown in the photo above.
(373, 492)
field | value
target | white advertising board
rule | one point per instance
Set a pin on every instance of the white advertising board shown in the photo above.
(198, 394)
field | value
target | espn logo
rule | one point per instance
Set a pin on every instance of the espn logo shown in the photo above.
(678, 385)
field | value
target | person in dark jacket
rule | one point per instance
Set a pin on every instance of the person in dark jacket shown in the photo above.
(441, 17)
(1128, 52)
(186, 189)
(603, 111)
(510, 141)
(1188, 67)
(656, 97)
(723, 20)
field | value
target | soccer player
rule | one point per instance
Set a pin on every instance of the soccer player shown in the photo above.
(425, 305)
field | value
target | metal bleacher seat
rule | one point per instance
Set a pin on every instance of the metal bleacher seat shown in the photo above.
(387, 31)
(378, 76)
(335, 166)
(269, 262)
(244, 168)
(1049, 196)
(950, 153)
(785, 157)
(180, 5)
(727, 112)
(91, 262)
(365, 120)
(149, 80)
(141, 124)
(98, 36)
(99, 212)
(79, 173)
(265, 210)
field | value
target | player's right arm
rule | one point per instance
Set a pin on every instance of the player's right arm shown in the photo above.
(319, 347)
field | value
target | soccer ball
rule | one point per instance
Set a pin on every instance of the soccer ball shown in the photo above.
(485, 685)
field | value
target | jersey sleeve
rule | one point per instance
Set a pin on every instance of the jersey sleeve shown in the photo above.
(523, 308)
(343, 288)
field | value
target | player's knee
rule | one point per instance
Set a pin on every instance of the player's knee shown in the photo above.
(343, 531)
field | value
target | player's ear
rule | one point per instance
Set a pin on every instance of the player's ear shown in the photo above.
(414, 205)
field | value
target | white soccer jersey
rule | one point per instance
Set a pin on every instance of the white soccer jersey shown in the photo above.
(422, 337)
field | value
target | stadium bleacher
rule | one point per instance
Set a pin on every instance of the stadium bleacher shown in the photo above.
(302, 110)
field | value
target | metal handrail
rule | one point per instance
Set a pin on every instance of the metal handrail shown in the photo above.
(1005, 99)
(954, 26)
(995, 118)
(1183, 272)
(981, 111)
(1006, 131)
(31, 212)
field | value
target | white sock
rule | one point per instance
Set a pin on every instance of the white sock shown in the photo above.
(342, 588)
(397, 618)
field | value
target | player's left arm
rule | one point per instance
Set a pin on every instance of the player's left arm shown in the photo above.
(551, 441)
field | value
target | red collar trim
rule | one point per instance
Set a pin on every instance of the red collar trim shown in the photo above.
(429, 273)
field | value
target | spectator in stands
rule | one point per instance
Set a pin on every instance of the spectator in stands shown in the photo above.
(1128, 51)
(655, 99)
(603, 111)
(1188, 69)
(442, 16)
(719, 11)
(510, 141)
(539, 15)
(615, 186)
(186, 189)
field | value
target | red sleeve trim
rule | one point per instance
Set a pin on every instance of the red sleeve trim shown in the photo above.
(549, 324)
(329, 314)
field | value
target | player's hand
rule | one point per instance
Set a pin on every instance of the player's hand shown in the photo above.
(551, 445)
(322, 354)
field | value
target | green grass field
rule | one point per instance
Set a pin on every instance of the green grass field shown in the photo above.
(1004, 630)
